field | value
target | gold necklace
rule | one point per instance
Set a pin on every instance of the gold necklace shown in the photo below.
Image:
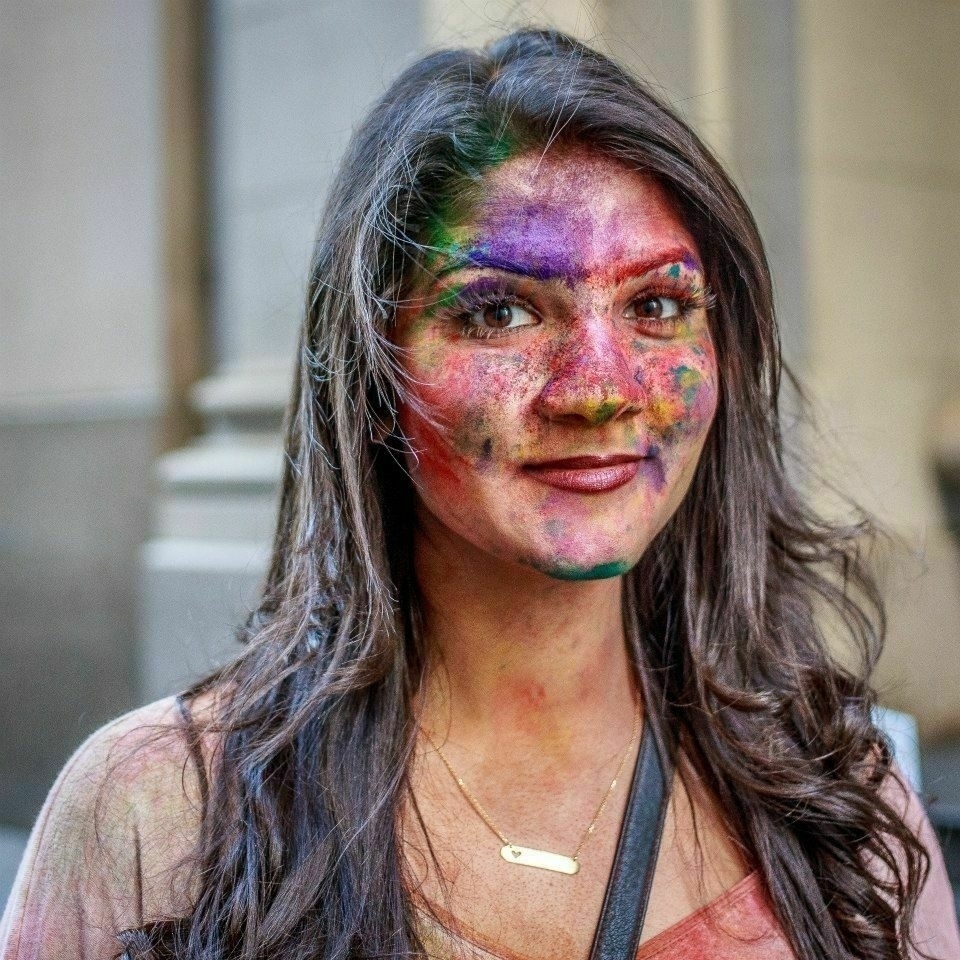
(529, 856)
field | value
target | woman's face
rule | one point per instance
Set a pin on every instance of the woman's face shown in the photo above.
(561, 365)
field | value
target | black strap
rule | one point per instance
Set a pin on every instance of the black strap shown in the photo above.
(628, 889)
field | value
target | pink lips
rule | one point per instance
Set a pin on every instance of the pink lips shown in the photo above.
(587, 474)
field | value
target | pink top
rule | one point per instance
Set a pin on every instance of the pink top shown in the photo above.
(105, 856)
(737, 925)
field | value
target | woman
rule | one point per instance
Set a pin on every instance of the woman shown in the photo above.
(534, 510)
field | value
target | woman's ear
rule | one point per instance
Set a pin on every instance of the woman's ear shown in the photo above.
(380, 430)
(383, 423)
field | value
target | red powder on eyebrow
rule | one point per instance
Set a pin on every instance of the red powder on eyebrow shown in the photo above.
(636, 268)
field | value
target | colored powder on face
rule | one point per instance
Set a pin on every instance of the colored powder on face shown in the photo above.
(432, 455)
(449, 296)
(603, 412)
(547, 236)
(600, 571)
(440, 240)
(653, 469)
(550, 236)
(533, 240)
(688, 381)
(445, 301)
(481, 257)
(446, 234)
(537, 235)
(477, 156)
(661, 414)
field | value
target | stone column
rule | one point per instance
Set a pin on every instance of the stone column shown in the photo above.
(81, 319)
(286, 84)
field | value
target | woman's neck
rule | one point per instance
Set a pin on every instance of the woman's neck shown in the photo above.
(521, 659)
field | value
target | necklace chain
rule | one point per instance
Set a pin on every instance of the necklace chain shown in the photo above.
(488, 820)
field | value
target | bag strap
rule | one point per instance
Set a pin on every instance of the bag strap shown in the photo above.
(631, 878)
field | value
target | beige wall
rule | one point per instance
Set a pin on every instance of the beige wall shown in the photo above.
(469, 22)
(881, 135)
(79, 192)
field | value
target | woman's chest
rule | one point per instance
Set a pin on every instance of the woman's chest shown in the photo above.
(502, 909)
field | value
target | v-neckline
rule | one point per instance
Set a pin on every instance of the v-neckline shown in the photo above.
(436, 916)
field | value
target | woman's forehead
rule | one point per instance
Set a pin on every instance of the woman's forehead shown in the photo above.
(572, 214)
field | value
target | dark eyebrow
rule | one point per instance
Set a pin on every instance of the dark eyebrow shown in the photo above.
(656, 261)
(479, 259)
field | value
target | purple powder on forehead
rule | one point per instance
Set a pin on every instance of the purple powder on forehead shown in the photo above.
(547, 239)
(566, 231)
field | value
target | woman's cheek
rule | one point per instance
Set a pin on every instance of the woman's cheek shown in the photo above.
(430, 460)
(465, 398)
(680, 384)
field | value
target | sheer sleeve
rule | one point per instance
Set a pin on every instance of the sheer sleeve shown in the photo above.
(110, 845)
(935, 930)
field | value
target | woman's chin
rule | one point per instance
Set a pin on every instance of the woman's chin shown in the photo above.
(590, 568)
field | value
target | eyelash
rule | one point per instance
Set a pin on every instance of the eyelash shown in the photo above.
(688, 299)
(468, 302)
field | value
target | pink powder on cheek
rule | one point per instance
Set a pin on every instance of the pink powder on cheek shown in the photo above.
(482, 396)
(469, 395)
(432, 454)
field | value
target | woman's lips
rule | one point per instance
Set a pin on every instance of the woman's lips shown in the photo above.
(587, 474)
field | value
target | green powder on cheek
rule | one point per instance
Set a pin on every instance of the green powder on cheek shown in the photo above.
(688, 380)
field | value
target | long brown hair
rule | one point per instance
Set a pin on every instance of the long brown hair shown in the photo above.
(299, 853)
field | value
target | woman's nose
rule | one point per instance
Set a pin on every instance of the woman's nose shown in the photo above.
(591, 378)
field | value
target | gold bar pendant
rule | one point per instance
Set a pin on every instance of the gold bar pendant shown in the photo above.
(541, 859)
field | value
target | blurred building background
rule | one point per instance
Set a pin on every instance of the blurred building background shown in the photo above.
(162, 167)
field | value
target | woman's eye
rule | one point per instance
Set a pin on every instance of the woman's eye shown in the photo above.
(654, 308)
(501, 315)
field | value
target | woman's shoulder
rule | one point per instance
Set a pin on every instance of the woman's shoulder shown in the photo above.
(136, 767)
(112, 844)
(935, 929)
(151, 732)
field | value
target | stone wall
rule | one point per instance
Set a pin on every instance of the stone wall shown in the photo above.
(81, 321)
